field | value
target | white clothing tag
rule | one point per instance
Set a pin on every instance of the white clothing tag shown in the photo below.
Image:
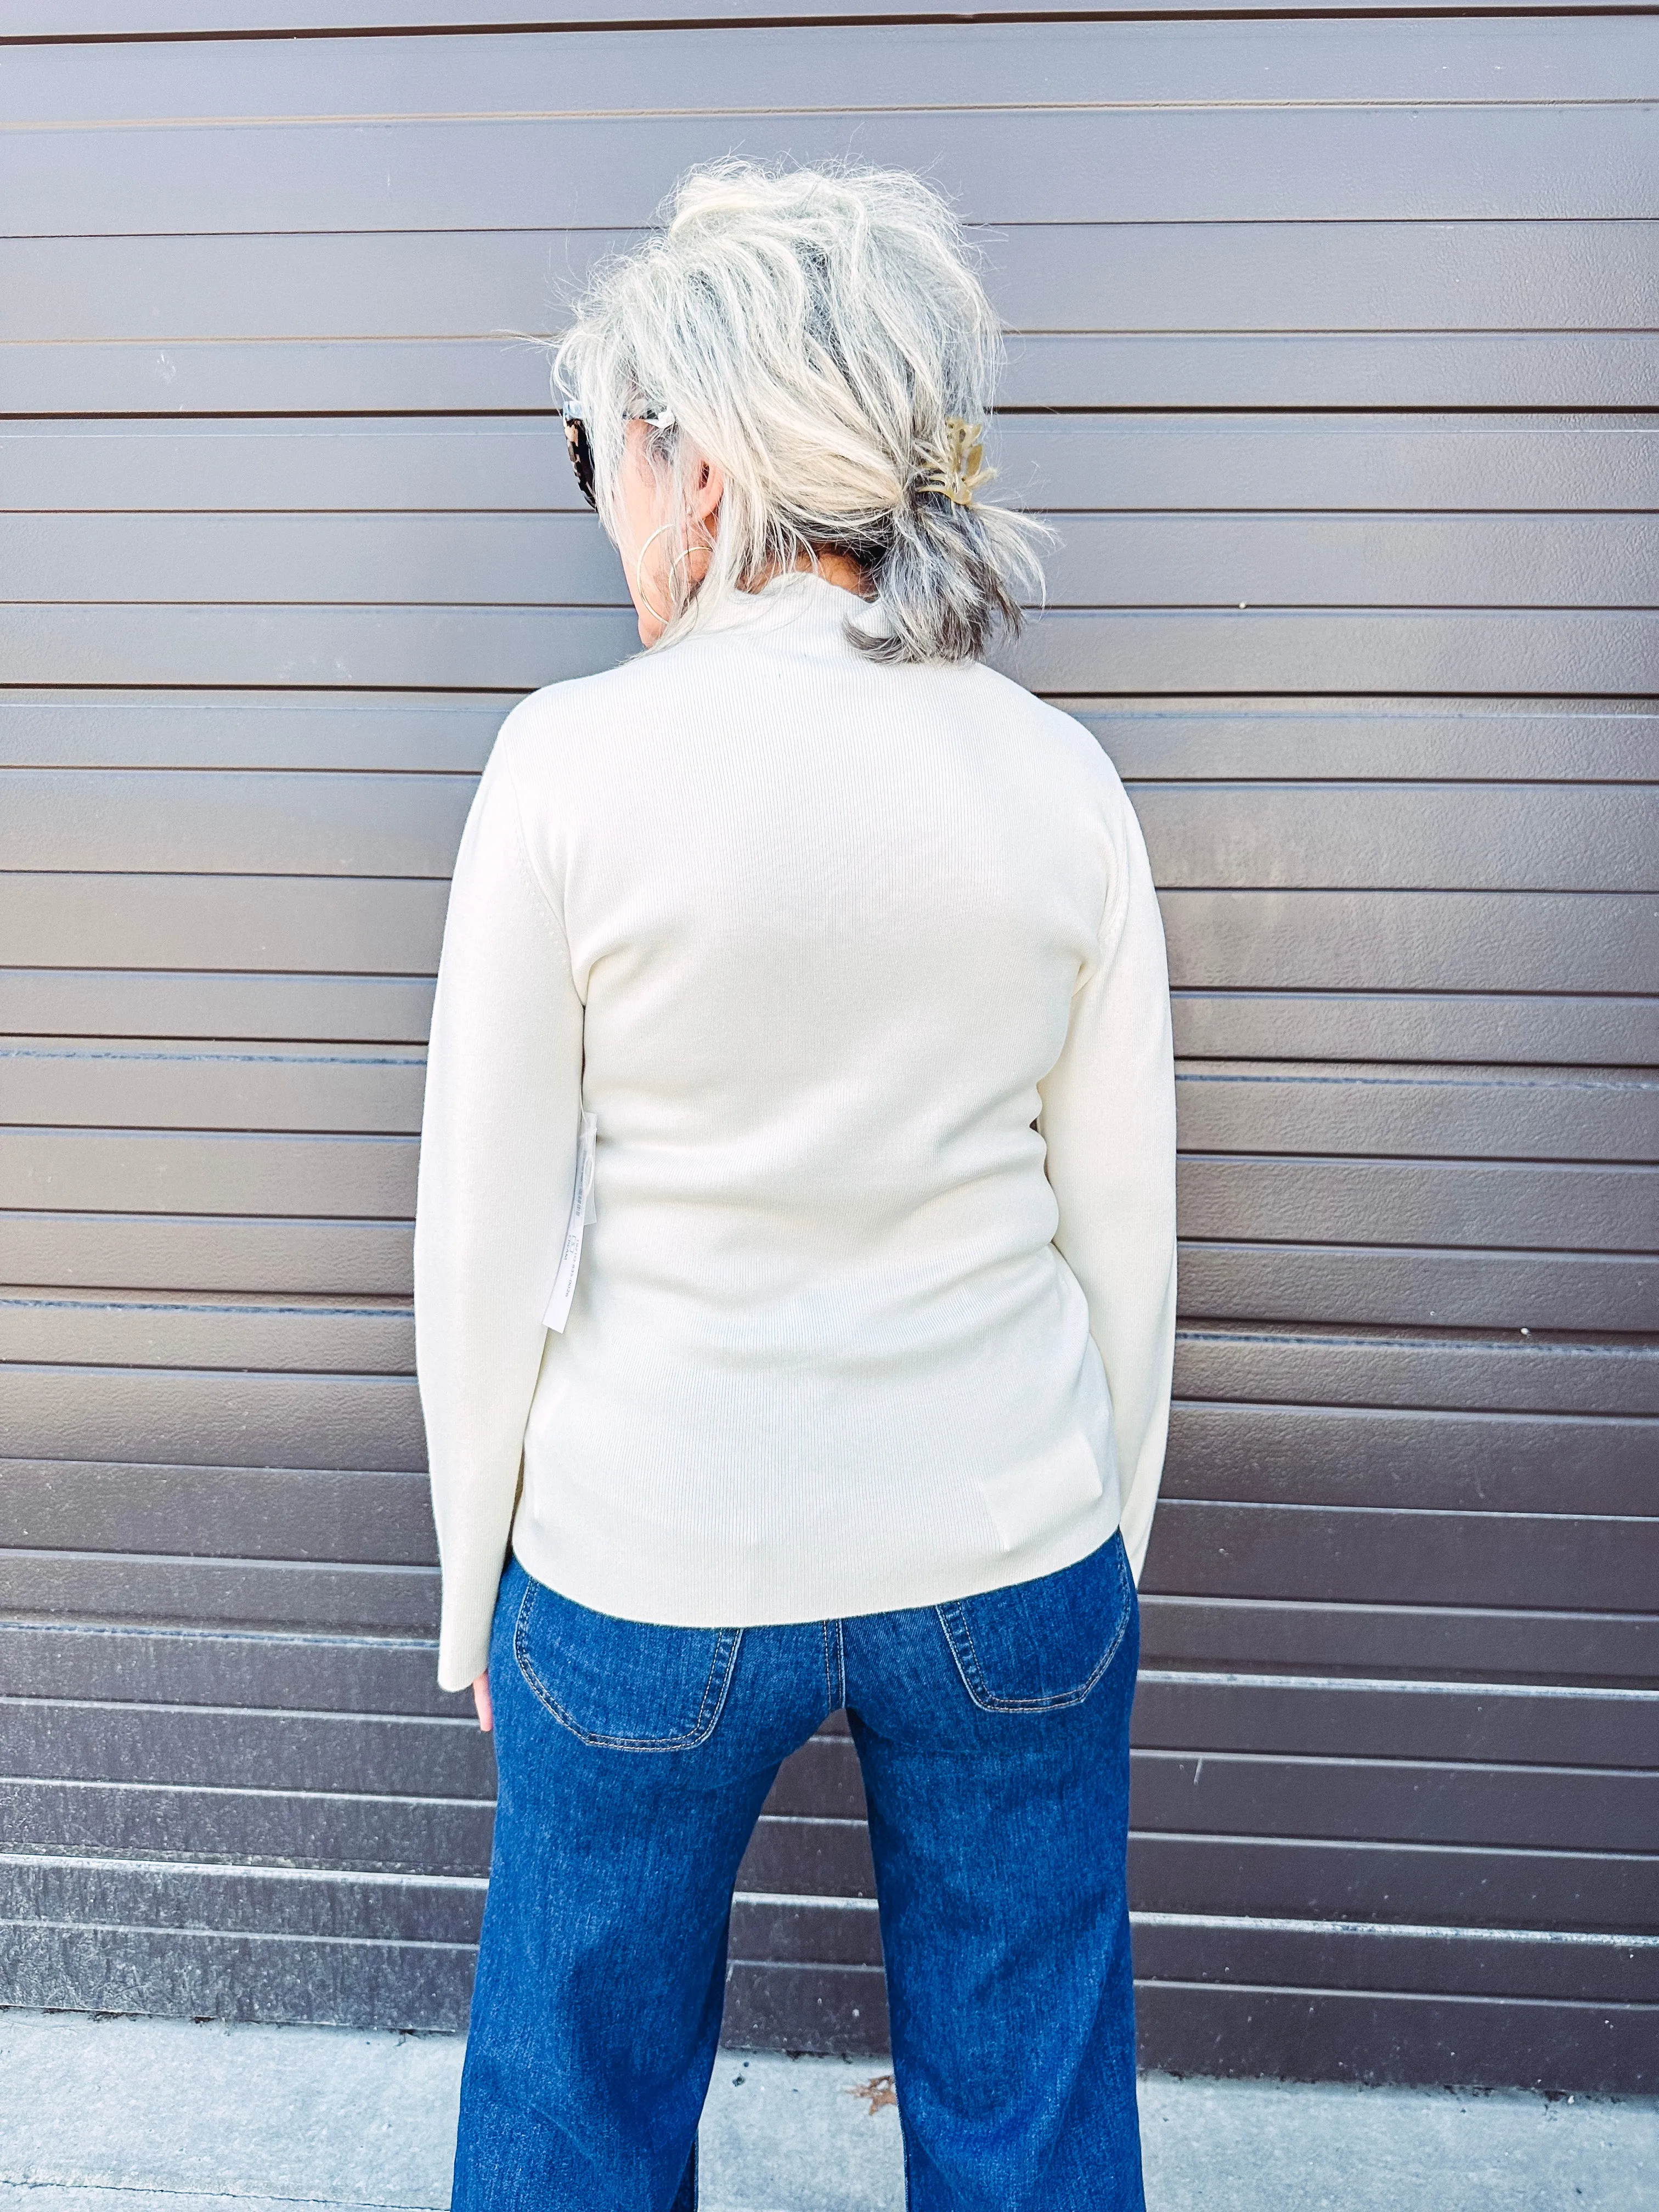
(582, 1210)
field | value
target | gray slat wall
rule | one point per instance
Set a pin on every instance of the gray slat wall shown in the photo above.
(1335, 366)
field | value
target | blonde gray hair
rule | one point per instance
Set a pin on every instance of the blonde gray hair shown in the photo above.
(812, 331)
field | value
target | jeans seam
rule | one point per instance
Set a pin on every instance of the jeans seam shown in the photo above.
(829, 1666)
(973, 1674)
(726, 1647)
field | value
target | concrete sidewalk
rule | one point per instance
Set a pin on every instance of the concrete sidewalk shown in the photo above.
(116, 2115)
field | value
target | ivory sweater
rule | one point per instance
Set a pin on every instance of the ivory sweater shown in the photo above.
(859, 972)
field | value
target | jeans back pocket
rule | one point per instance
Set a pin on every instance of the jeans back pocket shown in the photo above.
(622, 1685)
(1035, 1647)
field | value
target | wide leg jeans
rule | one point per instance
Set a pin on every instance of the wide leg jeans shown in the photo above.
(633, 1761)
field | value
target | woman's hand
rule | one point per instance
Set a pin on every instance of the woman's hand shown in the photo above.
(481, 1699)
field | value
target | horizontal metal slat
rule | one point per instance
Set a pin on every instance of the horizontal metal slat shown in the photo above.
(1292, 286)
(1443, 836)
(514, 649)
(283, 1418)
(1266, 1795)
(830, 1931)
(149, 18)
(1457, 1113)
(1286, 1877)
(798, 1856)
(1242, 1454)
(231, 1748)
(1038, 63)
(1407, 1286)
(1484, 1962)
(504, 648)
(1240, 739)
(1402, 1557)
(1310, 740)
(1450, 1204)
(230, 1417)
(1454, 1028)
(1476, 1643)
(841, 2007)
(277, 924)
(1181, 1711)
(1314, 836)
(824, 1853)
(103, 1254)
(1378, 462)
(1398, 1801)
(1186, 163)
(1500, 1373)
(208, 1171)
(1219, 462)
(1362, 1717)
(1220, 1197)
(1218, 939)
(820, 1781)
(420, 1836)
(779, 2006)
(1234, 1106)
(1306, 2035)
(1608, 1031)
(292, 729)
(329, 1009)
(162, 822)
(1411, 940)
(1454, 1461)
(116, 1893)
(1309, 649)
(364, 1516)
(1369, 370)
(202, 1974)
(1432, 163)
(93, 1082)
(163, 1252)
(207, 1666)
(318, 1598)
(1212, 559)
(1428, 371)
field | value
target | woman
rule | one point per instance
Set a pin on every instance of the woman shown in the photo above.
(794, 1250)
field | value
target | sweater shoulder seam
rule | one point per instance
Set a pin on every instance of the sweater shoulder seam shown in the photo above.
(552, 919)
(1115, 909)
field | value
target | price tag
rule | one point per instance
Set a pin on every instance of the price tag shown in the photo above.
(582, 1210)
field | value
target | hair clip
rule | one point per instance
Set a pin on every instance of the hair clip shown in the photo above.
(957, 462)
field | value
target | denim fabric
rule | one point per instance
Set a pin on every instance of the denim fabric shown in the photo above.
(633, 1759)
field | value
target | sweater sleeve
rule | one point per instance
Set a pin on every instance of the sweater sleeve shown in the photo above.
(498, 1150)
(1109, 1122)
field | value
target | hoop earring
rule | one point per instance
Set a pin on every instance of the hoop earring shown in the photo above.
(639, 581)
(685, 554)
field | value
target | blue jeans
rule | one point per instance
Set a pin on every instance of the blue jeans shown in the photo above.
(633, 1759)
